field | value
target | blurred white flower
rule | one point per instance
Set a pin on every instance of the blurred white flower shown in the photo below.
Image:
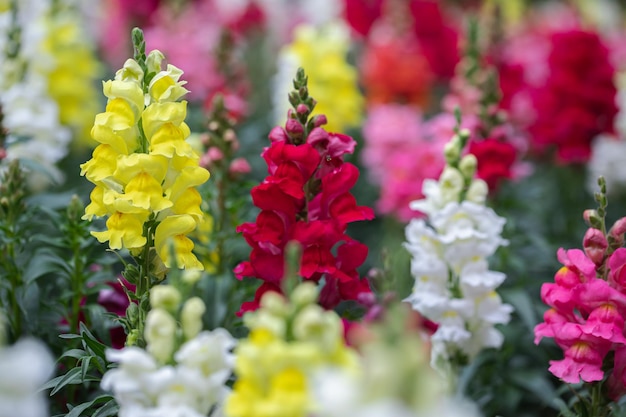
(607, 159)
(24, 368)
(191, 387)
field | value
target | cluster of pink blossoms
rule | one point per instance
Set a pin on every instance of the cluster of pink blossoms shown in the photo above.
(306, 198)
(588, 310)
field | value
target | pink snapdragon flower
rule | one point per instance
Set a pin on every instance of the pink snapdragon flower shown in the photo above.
(400, 152)
(588, 310)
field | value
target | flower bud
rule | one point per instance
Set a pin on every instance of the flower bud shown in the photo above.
(239, 166)
(595, 245)
(468, 165)
(592, 218)
(302, 109)
(304, 294)
(154, 60)
(214, 154)
(275, 303)
(278, 134)
(451, 152)
(319, 326)
(191, 317)
(191, 276)
(165, 297)
(131, 339)
(451, 182)
(132, 314)
(294, 129)
(230, 135)
(319, 120)
(617, 231)
(160, 334)
(477, 191)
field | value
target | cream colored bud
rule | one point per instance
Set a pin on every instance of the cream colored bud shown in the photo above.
(131, 339)
(191, 276)
(154, 60)
(160, 334)
(262, 319)
(316, 325)
(275, 304)
(451, 152)
(191, 317)
(468, 165)
(131, 71)
(464, 133)
(157, 267)
(165, 297)
(451, 184)
(304, 294)
(477, 191)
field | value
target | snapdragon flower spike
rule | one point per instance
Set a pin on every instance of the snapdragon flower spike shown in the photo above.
(306, 197)
(144, 171)
(588, 307)
(454, 287)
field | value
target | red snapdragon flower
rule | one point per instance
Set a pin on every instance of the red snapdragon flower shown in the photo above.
(577, 101)
(431, 28)
(495, 160)
(306, 198)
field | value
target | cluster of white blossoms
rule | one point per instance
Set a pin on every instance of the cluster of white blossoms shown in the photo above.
(454, 287)
(167, 380)
(24, 367)
(30, 114)
(46, 74)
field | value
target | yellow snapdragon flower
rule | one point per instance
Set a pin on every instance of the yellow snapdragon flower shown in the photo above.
(144, 171)
(322, 52)
(289, 341)
(71, 79)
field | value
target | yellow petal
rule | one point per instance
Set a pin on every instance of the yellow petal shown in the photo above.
(96, 206)
(123, 231)
(102, 164)
(157, 114)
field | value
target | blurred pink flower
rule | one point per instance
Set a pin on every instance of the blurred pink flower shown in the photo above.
(400, 151)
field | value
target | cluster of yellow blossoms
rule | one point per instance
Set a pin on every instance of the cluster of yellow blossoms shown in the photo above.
(322, 52)
(144, 170)
(71, 81)
(289, 341)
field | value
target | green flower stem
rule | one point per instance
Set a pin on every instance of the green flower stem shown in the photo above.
(15, 280)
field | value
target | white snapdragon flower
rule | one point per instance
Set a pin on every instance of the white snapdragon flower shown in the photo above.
(469, 223)
(449, 249)
(24, 368)
(476, 279)
(133, 380)
(191, 387)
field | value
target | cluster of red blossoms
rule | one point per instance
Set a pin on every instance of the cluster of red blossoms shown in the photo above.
(306, 198)
(577, 102)
(588, 309)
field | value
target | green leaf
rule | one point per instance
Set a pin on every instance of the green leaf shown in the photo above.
(108, 409)
(94, 345)
(70, 336)
(78, 410)
(84, 366)
(73, 353)
(72, 377)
